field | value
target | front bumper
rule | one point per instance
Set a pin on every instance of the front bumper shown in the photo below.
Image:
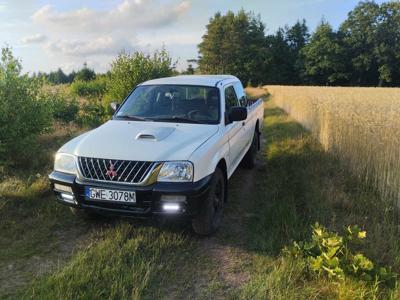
(148, 198)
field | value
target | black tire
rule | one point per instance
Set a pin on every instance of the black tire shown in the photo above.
(210, 216)
(249, 160)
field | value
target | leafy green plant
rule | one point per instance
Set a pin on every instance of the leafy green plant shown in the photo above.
(23, 114)
(92, 113)
(92, 89)
(128, 70)
(63, 106)
(334, 255)
(85, 74)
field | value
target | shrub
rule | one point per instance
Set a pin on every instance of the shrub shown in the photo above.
(92, 114)
(64, 107)
(128, 70)
(23, 116)
(338, 255)
(85, 74)
(92, 89)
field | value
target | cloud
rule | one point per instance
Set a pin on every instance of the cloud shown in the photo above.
(99, 46)
(34, 39)
(98, 35)
(177, 38)
(130, 15)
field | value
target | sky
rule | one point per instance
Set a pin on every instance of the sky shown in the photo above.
(48, 34)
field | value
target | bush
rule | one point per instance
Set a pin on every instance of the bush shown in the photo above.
(92, 114)
(128, 70)
(23, 116)
(338, 255)
(64, 107)
(85, 74)
(92, 89)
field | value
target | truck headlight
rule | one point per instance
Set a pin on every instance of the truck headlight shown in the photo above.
(176, 171)
(65, 163)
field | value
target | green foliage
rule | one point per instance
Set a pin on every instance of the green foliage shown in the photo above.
(23, 116)
(128, 70)
(58, 77)
(234, 44)
(92, 113)
(85, 74)
(55, 77)
(364, 51)
(338, 255)
(371, 33)
(324, 57)
(63, 106)
(92, 89)
(284, 62)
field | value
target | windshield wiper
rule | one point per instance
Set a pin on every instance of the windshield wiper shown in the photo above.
(132, 117)
(176, 119)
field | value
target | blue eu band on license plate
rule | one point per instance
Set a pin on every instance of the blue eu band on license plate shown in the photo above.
(109, 195)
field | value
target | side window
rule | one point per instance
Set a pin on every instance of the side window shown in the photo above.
(240, 94)
(230, 98)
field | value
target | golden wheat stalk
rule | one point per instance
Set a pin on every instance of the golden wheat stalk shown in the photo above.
(360, 125)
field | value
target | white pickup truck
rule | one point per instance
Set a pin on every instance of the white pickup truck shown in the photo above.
(169, 149)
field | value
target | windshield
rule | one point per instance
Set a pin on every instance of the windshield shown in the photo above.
(172, 103)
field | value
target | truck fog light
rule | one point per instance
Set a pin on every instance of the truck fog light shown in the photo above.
(63, 188)
(68, 198)
(171, 207)
(173, 198)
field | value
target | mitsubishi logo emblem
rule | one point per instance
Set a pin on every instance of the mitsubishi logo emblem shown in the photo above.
(111, 171)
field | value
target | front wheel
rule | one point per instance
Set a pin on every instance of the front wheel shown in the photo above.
(210, 216)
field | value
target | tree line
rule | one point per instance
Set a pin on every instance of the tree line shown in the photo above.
(60, 77)
(363, 51)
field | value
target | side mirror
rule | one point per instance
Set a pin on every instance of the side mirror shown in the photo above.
(114, 105)
(237, 113)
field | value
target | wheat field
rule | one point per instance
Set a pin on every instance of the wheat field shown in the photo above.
(360, 125)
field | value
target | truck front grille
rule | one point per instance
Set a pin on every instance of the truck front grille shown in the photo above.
(122, 171)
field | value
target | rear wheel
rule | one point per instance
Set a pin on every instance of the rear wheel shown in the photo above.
(210, 216)
(249, 159)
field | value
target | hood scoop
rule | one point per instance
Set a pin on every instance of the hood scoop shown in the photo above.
(143, 136)
(155, 134)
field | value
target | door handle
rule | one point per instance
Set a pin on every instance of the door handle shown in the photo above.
(243, 123)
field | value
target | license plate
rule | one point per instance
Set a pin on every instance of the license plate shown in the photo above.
(110, 195)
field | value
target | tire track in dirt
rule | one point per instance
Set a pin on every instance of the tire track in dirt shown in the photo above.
(227, 249)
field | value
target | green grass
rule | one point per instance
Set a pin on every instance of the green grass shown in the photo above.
(295, 184)
(120, 264)
(35, 230)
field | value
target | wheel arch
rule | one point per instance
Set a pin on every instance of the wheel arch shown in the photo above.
(257, 128)
(222, 165)
(258, 131)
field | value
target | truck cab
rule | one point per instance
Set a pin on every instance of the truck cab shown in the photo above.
(168, 151)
